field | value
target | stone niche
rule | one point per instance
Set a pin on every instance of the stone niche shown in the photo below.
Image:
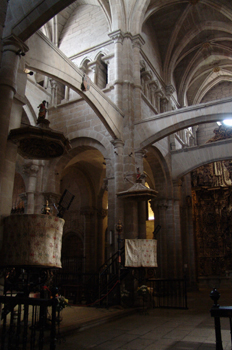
(32, 240)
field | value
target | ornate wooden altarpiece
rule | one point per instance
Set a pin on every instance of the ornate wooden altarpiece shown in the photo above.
(212, 215)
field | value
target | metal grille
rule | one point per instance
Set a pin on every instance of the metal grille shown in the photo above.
(24, 323)
(168, 293)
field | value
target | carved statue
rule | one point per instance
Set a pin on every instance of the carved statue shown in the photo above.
(42, 110)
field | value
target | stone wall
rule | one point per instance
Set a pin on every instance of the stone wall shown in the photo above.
(86, 28)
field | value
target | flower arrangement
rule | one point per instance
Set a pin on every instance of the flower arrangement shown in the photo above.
(143, 291)
(126, 298)
(62, 302)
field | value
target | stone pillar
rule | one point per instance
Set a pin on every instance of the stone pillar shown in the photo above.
(172, 142)
(146, 78)
(164, 105)
(89, 249)
(39, 199)
(3, 9)
(119, 182)
(141, 204)
(160, 206)
(94, 68)
(102, 214)
(66, 93)
(117, 36)
(188, 234)
(158, 96)
(13, 48)
(110, 186)
(31, 169)
(137, 41)
(169, 91)
(177, 244)
(153, 88)
(54, 93)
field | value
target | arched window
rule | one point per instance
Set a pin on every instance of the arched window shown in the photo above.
(101, 73)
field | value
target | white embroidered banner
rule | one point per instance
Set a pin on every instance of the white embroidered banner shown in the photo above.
(141, 252)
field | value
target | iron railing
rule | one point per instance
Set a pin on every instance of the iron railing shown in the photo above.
(24, 323)
(168, 293)
(217, 312)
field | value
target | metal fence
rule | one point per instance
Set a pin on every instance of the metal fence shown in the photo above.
(168, 293)
(25, 325)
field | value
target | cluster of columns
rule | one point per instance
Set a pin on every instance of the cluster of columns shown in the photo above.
(128, 91)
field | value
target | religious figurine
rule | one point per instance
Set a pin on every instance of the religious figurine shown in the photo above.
(42, 110)
(139, 176)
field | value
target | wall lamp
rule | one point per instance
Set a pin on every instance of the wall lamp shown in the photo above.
(20, 53)
(27, 71)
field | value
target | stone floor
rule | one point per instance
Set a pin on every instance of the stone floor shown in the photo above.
(159, 329)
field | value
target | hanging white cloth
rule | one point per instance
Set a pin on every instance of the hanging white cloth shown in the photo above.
(141, 252)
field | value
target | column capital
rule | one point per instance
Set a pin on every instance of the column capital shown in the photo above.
(154, 84)
(138, 41)
(140, 153)
(14, 44)
(31, 169)
(117, 143)
(117, 36)
(169, 89)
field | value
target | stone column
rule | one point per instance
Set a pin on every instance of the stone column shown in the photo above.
(31, 169)
(89, 249)
(153, 88)
(160, 206)
(3, 9)
(13, 49)
(169, 91)
(188, 234)
(146, 78)
(54, 93)
(164, 104)
(177, 243)
(102, 214)
(94, 68)
(137, 42)
(172, 142)
(141, 204)
(66, 94)
(39, 199)
(119, 182)
(117, 36)
(110, 187)
(158, 96)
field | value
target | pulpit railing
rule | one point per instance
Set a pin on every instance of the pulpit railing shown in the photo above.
(24, 323)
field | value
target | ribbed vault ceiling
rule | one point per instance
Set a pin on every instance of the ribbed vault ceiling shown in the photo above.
(194, 41)
(195, 44)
